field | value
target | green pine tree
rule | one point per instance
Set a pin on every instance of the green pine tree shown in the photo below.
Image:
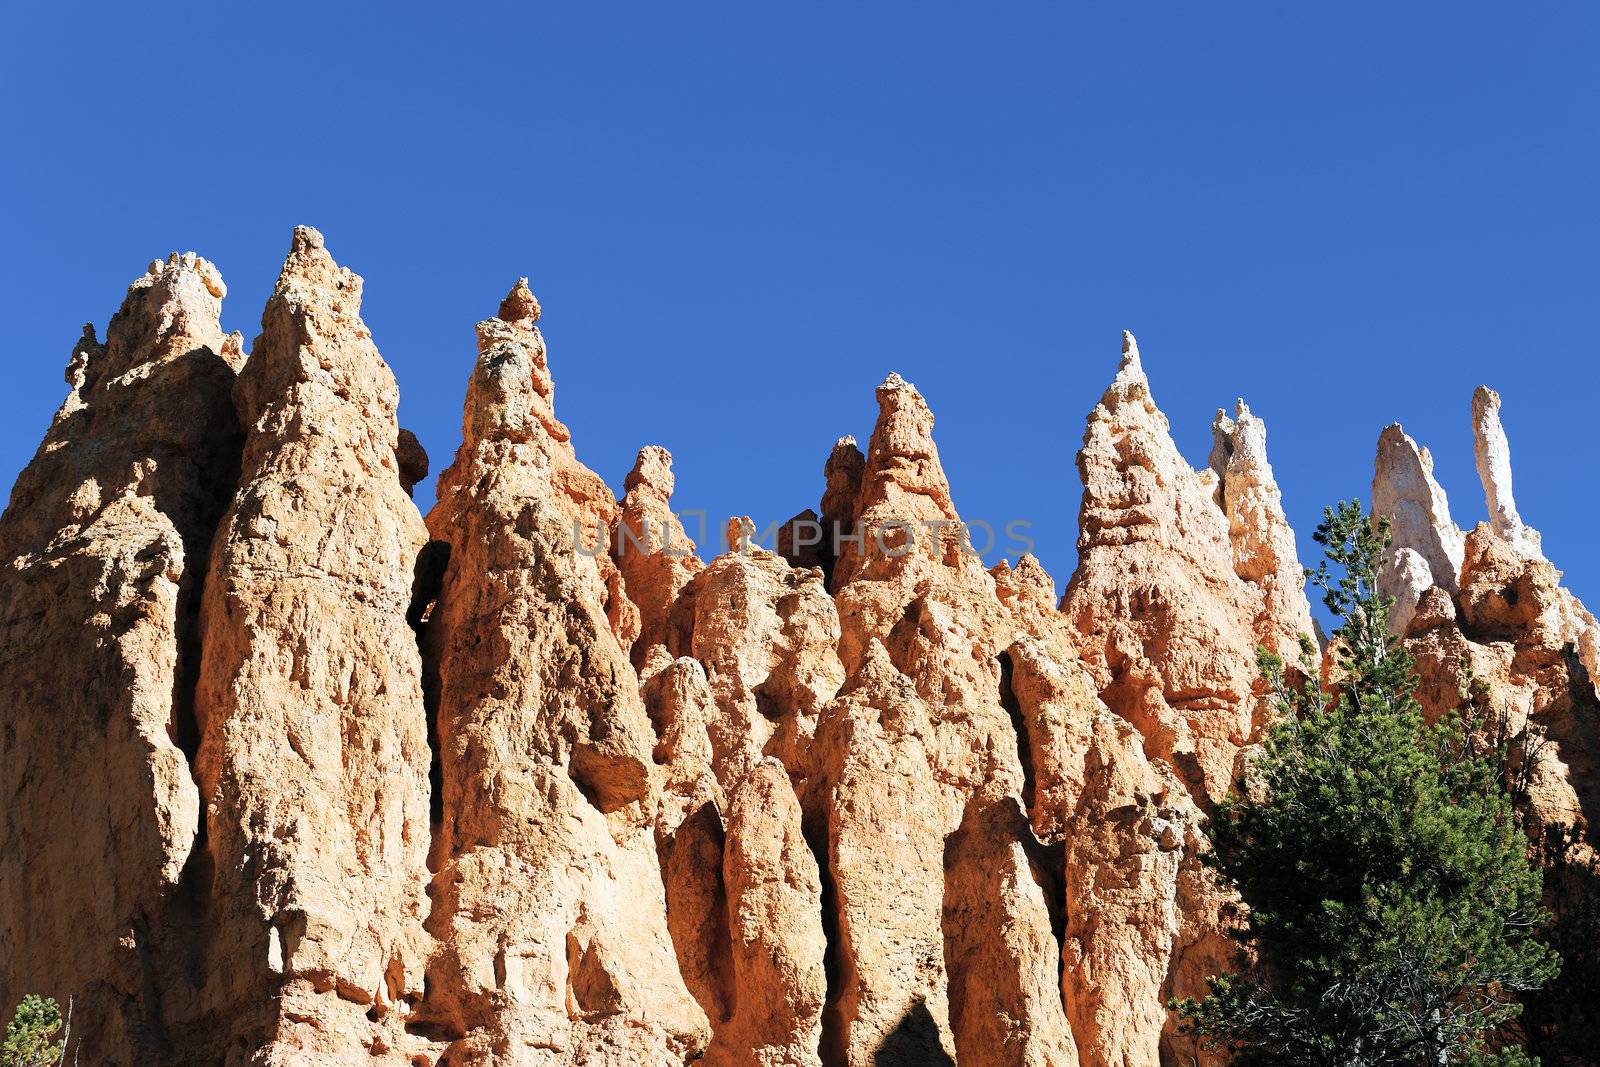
(1392, 903)
(31, 1037)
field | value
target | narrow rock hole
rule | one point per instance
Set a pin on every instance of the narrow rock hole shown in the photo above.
(220, 480)
(814, 828)
(1019, 727)
(427, 577)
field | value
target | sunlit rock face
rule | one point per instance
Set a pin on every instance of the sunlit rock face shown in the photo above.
(549, 910)
(313, 759)
(1181, 575)
(1502, 623)
(1425, 547)
(299, 776)
(103, 554)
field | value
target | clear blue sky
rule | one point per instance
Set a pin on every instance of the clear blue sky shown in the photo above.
(740, 217)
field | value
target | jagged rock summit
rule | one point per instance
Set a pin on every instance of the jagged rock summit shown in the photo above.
(298, 776)
(1490, 616)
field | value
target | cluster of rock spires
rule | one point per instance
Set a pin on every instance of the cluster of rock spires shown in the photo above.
(1484, 609)
(294, 775)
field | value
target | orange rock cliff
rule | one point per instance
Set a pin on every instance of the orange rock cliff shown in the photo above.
(297, 775)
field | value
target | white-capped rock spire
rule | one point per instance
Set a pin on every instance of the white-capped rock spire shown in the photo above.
(1493, 454)
(1426, 546)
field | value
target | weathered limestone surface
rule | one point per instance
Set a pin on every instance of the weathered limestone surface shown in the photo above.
(1000, 950)
(1520, 634)
(1171, 597)
(884, 822)
(651, 547)
(1528, 643)
(1136, 903)
(1492, 453)
(102, 553)
(766, 634)
(507, 789)
(1181, 575)
(1426, 548)
(313, 753)
(920, 736)
(776, 943)
(1258, 531)
(548, 903)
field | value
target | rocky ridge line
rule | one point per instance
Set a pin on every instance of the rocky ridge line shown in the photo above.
(516, 785)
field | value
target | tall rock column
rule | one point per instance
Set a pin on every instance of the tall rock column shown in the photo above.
(1166, 619)
(1492, 452)
(548, 901)
(737, 711)
(919, 738)
(1181, 574)
(1426, 547)
(1005, 1002)
(1141, 923)
(102, 552)
(1263, 544)
(1520, 632)
(884, 828)
(314, 753)
(1574, 624)
(525, 409)
(651, 548)
(776, 943)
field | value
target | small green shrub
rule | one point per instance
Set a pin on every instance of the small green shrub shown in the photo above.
(32, 1035)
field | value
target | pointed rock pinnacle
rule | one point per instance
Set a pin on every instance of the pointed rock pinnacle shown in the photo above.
(520, 305)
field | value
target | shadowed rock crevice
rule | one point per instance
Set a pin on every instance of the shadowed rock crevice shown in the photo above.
(914, 1042)
(427, 579)
(832, 1043)
(697, 910)
(220, 476)
(1001, 947)
(1019, 726)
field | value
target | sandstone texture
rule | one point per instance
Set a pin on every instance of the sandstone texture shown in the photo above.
(776, 944)
(104, 549)
(1426, 547)
(297, 776)
(547, 899)
(1181, 575)
(1502, 632)
(313, 744)
(652, 549)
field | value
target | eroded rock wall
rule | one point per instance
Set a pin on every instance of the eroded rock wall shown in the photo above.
(532, 783)
(1502, 639)
(103, 554)
(313, 743)
(548, 904)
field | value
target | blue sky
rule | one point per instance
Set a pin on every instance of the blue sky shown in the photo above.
(740, 217)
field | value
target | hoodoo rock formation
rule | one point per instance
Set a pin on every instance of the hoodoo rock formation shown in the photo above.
(548, 907)
(1500, 622)
(1181, 575)
(295, 776)
(104, 547)
(313, 760)
(1425, 546)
